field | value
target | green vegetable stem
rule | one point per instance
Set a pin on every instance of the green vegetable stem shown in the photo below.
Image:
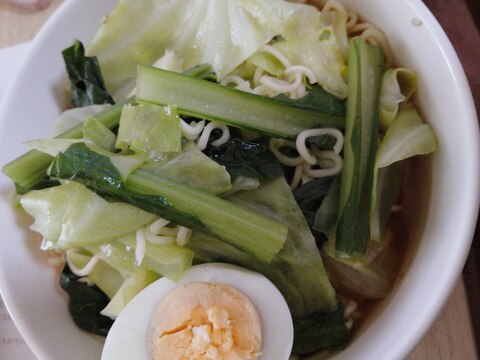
(206, 100)
(250, 231)
(30, 168)
(361, 132)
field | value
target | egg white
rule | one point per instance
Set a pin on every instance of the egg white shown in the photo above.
(128, 337)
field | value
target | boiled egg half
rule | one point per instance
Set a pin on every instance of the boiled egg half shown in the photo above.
(217, 311)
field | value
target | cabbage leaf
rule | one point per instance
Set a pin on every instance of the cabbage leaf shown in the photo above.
(73, 117)
(407, 136)
(150, 130)
(220, 33)
(193, 168)
(320, 52)
(398, 86)
(132, 285)
(72, 216)
(297, 270)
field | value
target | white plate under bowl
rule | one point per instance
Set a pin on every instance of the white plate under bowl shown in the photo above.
(29, 286)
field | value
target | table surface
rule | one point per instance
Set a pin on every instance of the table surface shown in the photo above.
(451, 335)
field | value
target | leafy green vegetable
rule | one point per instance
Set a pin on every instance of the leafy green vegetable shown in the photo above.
(361, 132)
(169, 61)
(167, 260)
(173, 201)
(85, 304)
(105, 277)
(326, 216)
(97, 172)
(117, 256)
(193, 168)
(317, 99)
(30, 168)
(267, 62)
(77, 217)
(297, 270)
(136, 282)
(150, 130)
(407, 136)
(247, 158)
(207, 100)
(86, 81)
(398, 86)
(125, 164)
(321, 330)
(70, 118)
(320, 51)
(310, 196)
(47, 206)
(94, 131)
(223, 34)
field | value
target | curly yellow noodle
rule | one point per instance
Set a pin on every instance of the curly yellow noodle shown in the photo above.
(346, 22)
(335, 14)
(352, 20)
(333, 5)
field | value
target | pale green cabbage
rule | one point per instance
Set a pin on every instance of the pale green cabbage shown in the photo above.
(72, 117)
(150, 130)
(407, 136)
(131, 286)
(77, 217)
(319, 51)
(398, 85)
(221, 33)
(93, 130)
(103, 275)
(297, 270)
(192, 167)
(125, 164)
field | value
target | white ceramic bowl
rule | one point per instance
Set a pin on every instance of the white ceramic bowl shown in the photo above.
(29, 287)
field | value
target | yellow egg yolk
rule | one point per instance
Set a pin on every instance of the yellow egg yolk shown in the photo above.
(204, 320)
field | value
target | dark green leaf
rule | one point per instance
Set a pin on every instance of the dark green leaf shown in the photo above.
(97, 172)
(317, 99)
(85, 303)
(86, 80)
(309, 196)
(247, 158)
(181, 204)
(322, 330)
